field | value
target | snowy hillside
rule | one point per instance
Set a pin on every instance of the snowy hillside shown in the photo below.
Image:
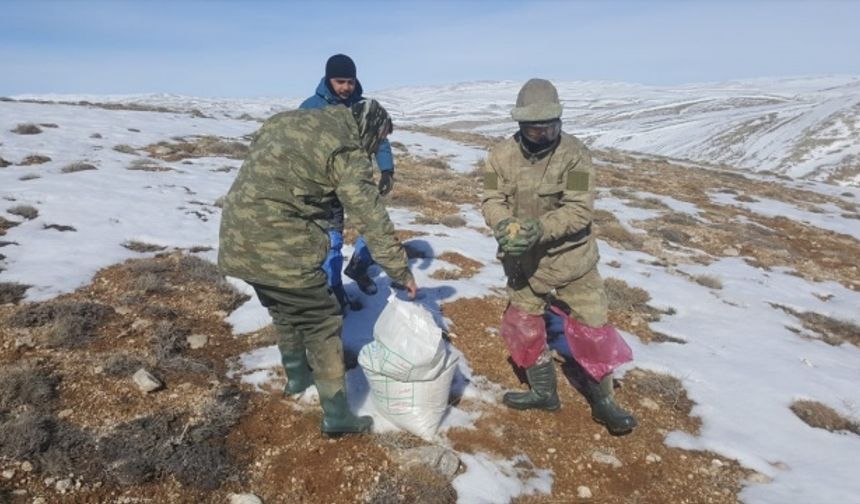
(797, 127)
(801, 127)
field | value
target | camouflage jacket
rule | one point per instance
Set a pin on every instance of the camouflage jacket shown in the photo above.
(275, 217)
(559, 191)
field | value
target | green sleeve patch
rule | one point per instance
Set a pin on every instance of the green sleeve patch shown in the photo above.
(491, 181)
(577, 181)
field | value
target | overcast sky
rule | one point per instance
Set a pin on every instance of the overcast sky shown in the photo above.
(278, 48)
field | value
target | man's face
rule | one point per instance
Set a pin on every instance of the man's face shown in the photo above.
(342, 87)
(541, 133)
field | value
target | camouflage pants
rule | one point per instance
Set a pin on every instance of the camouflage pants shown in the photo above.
(585, 296)
(309, 319)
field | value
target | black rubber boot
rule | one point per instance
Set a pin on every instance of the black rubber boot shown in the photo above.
(604, 409)
(298, 372)
(543, 394)
(338, 420)
(365, 283)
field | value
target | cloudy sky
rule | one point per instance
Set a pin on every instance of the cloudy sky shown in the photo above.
(278, 48)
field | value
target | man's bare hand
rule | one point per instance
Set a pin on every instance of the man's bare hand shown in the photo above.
(411, 289)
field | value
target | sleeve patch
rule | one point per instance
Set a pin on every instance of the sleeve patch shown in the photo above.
(577, 181)
(491, 181)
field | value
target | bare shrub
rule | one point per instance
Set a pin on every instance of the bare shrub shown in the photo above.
(122, 364)
(6, 224)
(613, 232)
(151, 265)
(34, 159)
(147, 164)
(624, 298)
(96, 135)
(125, 149)
(26, 211)
(22, 385)
(820, 416)
(142, 247)
(27, 129)
(454, 221)
(158, 311)
(680, 219)
(76, 167)
(197, 269)
(833, 331)
(25, 435)
(67, 324)
(708, 281)
(12, 292)
(4, 163)
(437, 163)
(404, 197)
(151, 283)
(665, 388)
(673, 235)
(29, 176)
(416, 484)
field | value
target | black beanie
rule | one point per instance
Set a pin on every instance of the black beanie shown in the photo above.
(340, 66)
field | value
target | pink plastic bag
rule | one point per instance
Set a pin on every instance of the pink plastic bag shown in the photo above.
(599, 350)
(525, 336)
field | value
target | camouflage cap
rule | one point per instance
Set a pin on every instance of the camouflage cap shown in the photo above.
(371, 119)
(537, 101)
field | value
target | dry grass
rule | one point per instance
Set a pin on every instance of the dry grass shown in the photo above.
(26, 211)
(12, 292)
(454, 221)
(78, 166)
(609, 229)
(66, 324)
(632, 300)
(832, 331)
(147, 164)
(142, 247)
(6, 224)
(665, 388)
(708, 281)
(820, 416)
(125, 149)
(34, 159)
(206, 146)
(27, 129)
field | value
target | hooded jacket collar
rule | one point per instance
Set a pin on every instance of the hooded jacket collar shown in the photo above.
(326, 94)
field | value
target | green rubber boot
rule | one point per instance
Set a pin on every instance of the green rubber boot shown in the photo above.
(543, 394)
(604, 409)
(338, 420)
(298, 372)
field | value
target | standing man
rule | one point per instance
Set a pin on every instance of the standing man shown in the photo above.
(538, 199)
(341, 87)
(274, 236)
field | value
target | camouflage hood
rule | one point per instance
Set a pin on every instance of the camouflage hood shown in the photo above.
(371, 119)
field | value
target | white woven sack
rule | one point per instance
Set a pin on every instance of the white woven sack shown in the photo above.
(412, 342)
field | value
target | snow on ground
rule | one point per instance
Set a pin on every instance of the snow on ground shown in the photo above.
(827, 216)
(741, 362)
(461, 158)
